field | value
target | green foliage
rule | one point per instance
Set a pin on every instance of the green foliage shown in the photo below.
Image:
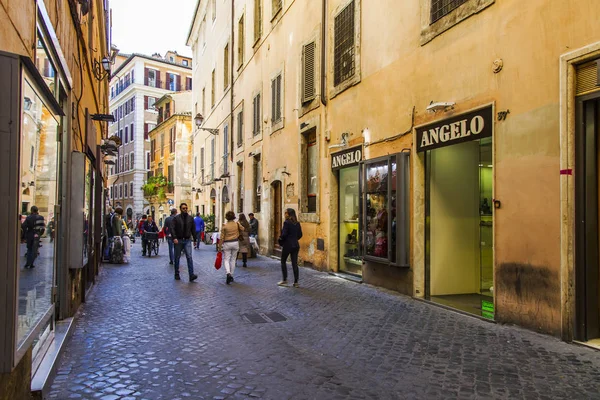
(156, 186)
(209, 222)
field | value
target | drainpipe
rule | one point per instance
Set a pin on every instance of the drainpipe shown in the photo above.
(323, 52)
(231, 72)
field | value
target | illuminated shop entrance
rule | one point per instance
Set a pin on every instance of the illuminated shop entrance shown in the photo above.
(459, 264)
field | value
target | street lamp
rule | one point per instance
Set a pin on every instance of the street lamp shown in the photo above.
(199, 119)
(101, 69)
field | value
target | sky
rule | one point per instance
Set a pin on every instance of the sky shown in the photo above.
(152, 26)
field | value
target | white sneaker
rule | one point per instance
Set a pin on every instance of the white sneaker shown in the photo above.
(282, 283)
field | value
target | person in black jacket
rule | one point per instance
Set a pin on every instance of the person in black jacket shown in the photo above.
(33, 228)
(290, 234)
(168, 229)
(184, 231)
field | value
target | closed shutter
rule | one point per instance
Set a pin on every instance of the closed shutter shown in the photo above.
(145, 102)
(588, 77)
(133, 104)
(254, 115)
(158, 82)
(146, 76)
(145, 131)
(132, 75)
(273, 100)
(278, 80)
(188, 83)
(308, 72)
(177, 83)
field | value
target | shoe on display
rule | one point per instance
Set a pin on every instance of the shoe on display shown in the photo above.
(193, 277)
(282, 283)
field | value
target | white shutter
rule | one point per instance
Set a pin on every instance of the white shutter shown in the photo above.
(308, 72)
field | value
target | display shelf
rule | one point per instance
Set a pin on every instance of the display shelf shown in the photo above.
(354, 244)
(352, 261)
(351, 221)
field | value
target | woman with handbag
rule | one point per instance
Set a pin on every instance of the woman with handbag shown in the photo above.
(244, 239)
(290, 234)
(229, 244)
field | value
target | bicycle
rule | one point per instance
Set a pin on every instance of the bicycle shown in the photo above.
(153, 244)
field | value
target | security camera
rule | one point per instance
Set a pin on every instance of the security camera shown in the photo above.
(440, 106)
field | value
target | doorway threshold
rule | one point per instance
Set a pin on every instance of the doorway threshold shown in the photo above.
(592, 344)
(456, 310)
(348, 277)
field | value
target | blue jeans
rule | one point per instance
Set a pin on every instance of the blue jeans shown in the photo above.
(186, 246)
(171, 251)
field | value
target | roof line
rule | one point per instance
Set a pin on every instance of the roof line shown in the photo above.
(193, 21)
(133, 55)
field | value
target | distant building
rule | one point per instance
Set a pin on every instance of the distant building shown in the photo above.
(171, 155)
(137, 83)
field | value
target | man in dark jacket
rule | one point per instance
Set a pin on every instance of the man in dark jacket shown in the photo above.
(168, 228)
(184, 230)
(33, 228)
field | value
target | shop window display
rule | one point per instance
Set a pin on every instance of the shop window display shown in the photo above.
(351, 260)
(38, 173)
(385, 223)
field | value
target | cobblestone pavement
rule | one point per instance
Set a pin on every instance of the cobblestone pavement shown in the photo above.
(143, 335)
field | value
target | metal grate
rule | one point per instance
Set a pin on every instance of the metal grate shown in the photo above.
(263, 318)
(344, 53)
(440, 8)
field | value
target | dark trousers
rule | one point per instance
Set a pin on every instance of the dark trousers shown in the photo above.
(284, 255)
(33, 244)
(197, 241)
(144, 245)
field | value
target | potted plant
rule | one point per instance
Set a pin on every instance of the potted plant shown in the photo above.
(209, 227)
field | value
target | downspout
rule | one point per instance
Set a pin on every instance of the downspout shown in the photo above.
(323, 52)
(232, 83)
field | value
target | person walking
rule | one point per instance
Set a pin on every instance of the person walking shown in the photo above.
(33, 228)
(116, 256)
(253, 225)
(245, 241)
(229, 244)
(168, 229)
(140, 229)
(148, 226)
(290, 234)
(184, 230)
(199, 224)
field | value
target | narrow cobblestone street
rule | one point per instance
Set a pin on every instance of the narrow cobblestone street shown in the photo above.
(144, 335)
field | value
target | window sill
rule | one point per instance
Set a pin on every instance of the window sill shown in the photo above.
(275, 15)
(277, 126)
(347, 84)
(464, 11)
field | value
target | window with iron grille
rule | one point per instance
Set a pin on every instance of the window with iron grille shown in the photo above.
(277, 5)
(276, 99)
(440, 8)
(344, 48)
(257, 19)
(256, 115)
(240, 129)
(308, 72)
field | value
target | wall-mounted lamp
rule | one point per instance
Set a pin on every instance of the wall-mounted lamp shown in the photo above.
(343, 141)
(199, 119)
(101, 69)
(109, 159)
(440, 106)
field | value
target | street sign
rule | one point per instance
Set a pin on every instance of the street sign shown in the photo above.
(170, 202)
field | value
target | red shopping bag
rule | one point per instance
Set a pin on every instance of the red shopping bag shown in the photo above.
(219, 260)
(202, 236)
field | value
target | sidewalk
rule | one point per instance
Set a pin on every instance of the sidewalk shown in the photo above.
(143, 335)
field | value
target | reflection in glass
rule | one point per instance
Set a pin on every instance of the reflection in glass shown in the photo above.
(44, 63)
(376, 240)
(393, 212)
(38, 173)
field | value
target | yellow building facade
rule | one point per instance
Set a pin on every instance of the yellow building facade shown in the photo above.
(171, 155)
(429, 147)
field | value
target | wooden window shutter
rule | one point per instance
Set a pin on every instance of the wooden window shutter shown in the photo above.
(145, 131)
(132, 75)
(279, 111)
(587, 78)
(308, 72)
(146, 76)
(177, 83)
(273, 100)
(254, 115)
(145, 102)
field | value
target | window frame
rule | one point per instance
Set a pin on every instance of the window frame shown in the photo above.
(277, 123)
(430, 30)
(333, 89)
